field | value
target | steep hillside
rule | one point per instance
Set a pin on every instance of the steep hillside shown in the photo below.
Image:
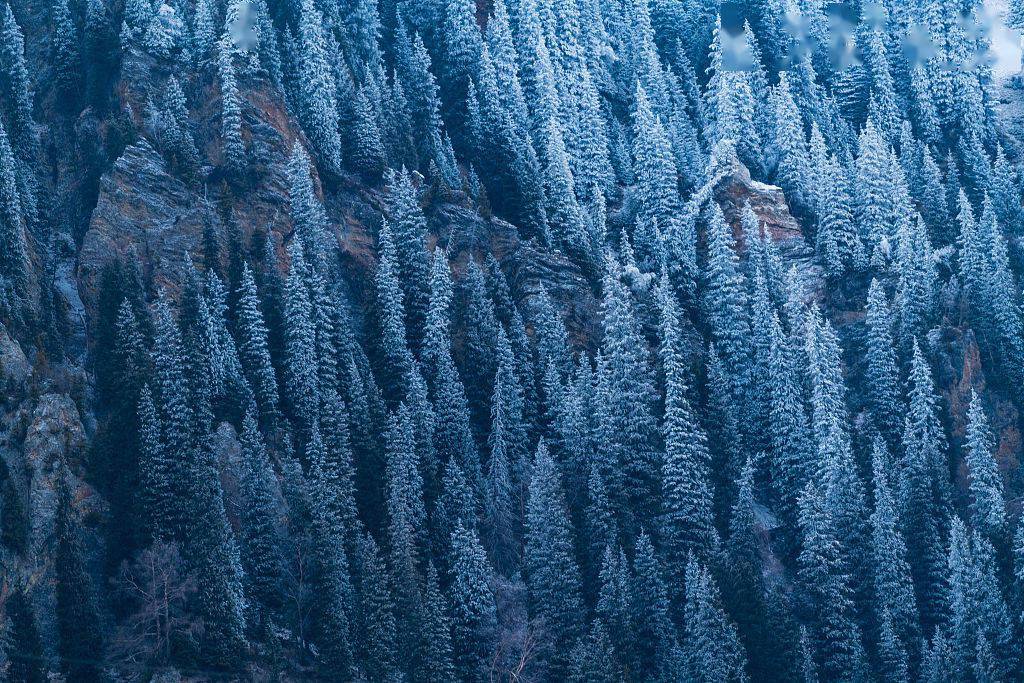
(535, 340)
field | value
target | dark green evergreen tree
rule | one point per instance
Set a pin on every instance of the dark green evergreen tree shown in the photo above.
(474, 613)
(687, 524)
(65, 50)
(77, 610)
(552, 575)
(261, 530)
(23, 648)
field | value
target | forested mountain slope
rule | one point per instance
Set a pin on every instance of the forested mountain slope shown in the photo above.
(514, 340)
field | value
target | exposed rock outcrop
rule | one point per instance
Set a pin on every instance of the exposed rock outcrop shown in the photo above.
(146, 214)
(958, 370)
(14, 367)
(527, 268)
(733, 189)
(55, 437)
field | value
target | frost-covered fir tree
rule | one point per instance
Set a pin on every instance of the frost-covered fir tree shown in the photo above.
(687, 524)
(474, 614)
(378, 646)
(823, 575)
(65, 50)
(713, 648)
(437, 635)
(789, 146)
(462, 44)
(882, 372)
(231, 115)
(724, 301)
(977, 610)
(552, 574)
(405, 506)
(924, 488)
(653, 162)
(894, 597)
(987, 507)
(14, 259)
(409, 228)
(332, 580)
(14, 81)
(307, 212)
(253, 348)
(655, 643)
(627, 430)
(301, 384)
(261, 540)
(318, 109)
(392, 315)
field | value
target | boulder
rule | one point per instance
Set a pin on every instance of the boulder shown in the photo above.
(14, 366)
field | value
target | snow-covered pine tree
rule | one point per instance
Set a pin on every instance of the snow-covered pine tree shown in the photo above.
(65, 51)
(14, 253)
(881, 369)
(924, 488)
(14, 82)
(409, 229)
(712, 645)
(552, 575)
(318, 109)
(474, 613)
(687, 523)
(894, 597)
(987, 507)
(260, 539)
(653, 162)
(628, 435)
(233, 146)
(253, 349)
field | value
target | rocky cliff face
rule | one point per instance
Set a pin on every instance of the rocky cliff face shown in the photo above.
(146, 214)
(734, 189)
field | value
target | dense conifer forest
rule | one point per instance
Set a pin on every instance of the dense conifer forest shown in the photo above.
(511, 340)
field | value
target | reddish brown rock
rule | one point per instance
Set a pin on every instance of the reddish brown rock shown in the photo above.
(733, 189)
(958, 369)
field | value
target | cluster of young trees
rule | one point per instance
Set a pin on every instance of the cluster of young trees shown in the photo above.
(448, 484)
